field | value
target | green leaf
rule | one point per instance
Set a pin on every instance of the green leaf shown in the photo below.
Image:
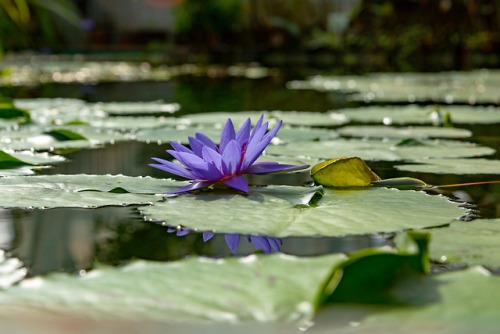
(73, 190)
(338, 212)
(10, 159)
(369, 275)
(453, 166)
(464, 301)
(381, 150)
(65, 135)
(343, 172)
(469, 87)
(299, 118)
(180, 134)
(415, 114)
(132, 108)
(421, 132)
(233, 290)
(474, 242)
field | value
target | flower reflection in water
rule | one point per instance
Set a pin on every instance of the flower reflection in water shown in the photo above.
(265, 244)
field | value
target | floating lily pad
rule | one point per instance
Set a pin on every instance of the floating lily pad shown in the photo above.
(59, 111)
(81, 190)
(30, 158)
(381, 150)
(415, 114)
(474, 242)
(455, 302)
(234, 290)
(181, 133)
(338, 212)
(374, 131)
(41, 103)
(131, 108)
(446, 87)
(132, 123)
(453, 166)
(299, 118)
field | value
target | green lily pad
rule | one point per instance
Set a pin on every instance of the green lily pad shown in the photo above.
(455, 302)
(299, 118)
(415, 114)
(59, 111)
(88, 191)
(381, 150)
(132, 123)
(47, 103)
(338, 212)
(234, 290)
(474, 242)
(61, 137)
(131, 108)
(10, 158)
(453, 166)
(446, 87)
(181, 133)
(374, 131)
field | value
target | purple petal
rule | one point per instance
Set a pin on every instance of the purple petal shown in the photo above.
(232, 240)
(171, 229)
(255, 149)
(258, 168)
(244, 132)
(181, 233)
(180, 148)
(273, 132)
(231, 158)
(275, 243)
(212, 156)
(259, 134)
(170, 167)
(227, 135)
(257, 126)
(207, 171)
(261, 243)
(192, 186)
(196, 145)
(205, 140)
(237, 182)
(252, 153)
(207, 236)
(184, 157)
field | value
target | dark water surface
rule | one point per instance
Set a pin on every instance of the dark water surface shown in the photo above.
(72, 239)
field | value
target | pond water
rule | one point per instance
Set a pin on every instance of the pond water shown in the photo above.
(73, 239)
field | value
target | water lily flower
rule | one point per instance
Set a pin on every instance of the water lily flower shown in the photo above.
(206, 163)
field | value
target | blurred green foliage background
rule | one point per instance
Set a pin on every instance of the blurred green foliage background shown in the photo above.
(404, 34)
